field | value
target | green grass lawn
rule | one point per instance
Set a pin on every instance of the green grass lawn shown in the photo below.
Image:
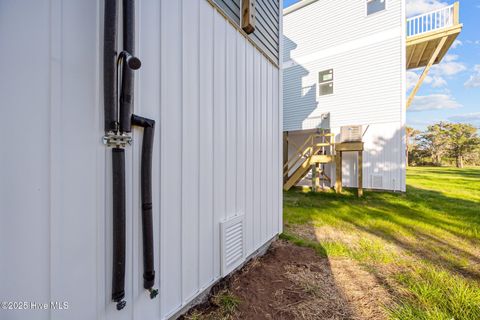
(423, 246)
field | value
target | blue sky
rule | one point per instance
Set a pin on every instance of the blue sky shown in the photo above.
(451, 92)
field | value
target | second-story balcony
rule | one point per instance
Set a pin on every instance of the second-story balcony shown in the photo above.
(430, 35)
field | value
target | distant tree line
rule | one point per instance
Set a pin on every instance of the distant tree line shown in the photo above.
(444, 143)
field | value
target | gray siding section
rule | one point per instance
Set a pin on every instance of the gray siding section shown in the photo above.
(266, 34)
(267, 27)
(231, 8)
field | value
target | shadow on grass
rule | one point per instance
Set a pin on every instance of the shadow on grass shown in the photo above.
(439, 228)
(344, 298)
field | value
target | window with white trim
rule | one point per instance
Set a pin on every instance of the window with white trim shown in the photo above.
(325, 82)
(374, 6)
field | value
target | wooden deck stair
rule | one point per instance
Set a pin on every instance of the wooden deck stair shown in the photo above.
(317, 149)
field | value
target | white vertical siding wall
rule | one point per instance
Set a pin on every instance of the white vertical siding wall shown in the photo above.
(367, 55)
(217, 144)
(382, 156)
(52, 167)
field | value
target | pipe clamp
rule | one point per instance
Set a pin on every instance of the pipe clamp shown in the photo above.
(117, 140)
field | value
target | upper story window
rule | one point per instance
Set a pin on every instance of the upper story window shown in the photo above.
(325, 82)
(374, 6)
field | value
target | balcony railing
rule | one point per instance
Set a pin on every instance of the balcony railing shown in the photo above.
(433, 21)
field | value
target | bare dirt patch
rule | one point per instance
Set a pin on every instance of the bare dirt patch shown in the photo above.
(292, 282)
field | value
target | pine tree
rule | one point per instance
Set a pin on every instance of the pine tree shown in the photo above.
(462, 139)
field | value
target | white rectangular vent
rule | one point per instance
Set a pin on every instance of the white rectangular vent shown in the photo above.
(351, 133)
(377, 181)
(232, 243)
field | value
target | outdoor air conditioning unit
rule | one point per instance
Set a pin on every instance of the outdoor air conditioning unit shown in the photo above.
(351, 133)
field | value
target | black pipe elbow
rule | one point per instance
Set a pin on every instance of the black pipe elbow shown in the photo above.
(129, 64)
(131, 61)
(142, 122)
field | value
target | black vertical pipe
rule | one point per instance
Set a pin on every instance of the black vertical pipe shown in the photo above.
(118, 264)
(146, 195)
(127, 93)
(110, 65)
(121, 120)
(147, 220)
(118, 155)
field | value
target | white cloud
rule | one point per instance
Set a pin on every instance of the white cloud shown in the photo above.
(422, 122)
(437, 82)
(434, 102)
(474, 80)
(449, 66)
(475, 116)
(415, 7)
(434, 81)
(472, 118)
(412, 78)
(457, 43)
(450, 57)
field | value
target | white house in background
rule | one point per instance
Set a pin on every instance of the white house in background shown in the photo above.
(344, 65)
(214, 92)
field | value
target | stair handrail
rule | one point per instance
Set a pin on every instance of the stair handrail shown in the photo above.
(304, 156)
(302, 151)
(298, 153)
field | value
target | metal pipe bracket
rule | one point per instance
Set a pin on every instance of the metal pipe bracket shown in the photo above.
(117, 140)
